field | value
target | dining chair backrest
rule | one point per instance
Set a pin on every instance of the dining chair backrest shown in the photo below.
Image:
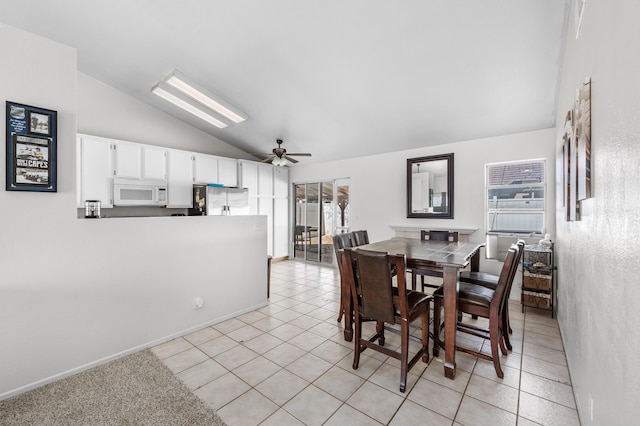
(439, 235)
(507, 274)
(360, 238)
(374, 285)
(519, 248)
(341, 241)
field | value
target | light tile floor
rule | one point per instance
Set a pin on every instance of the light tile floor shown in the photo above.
(288, 364)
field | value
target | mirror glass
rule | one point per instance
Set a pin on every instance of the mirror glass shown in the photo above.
(430, 187)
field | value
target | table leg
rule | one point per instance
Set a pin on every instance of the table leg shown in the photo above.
(475, 261)
(450, 282)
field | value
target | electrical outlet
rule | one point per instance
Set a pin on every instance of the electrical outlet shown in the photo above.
(198, 303)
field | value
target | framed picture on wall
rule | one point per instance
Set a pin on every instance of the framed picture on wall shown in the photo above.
(31, 148)
(39, 123)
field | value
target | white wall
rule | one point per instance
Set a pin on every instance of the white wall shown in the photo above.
(378, 183)
(598, 266)
(73, 292)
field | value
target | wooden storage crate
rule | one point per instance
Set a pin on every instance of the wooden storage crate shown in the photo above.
(536, 300)
(538, 282)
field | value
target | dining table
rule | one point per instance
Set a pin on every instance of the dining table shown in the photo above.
(446, 256)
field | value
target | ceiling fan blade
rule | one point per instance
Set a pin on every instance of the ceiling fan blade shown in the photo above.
(268, 159)
(300, 154)
(291, 160)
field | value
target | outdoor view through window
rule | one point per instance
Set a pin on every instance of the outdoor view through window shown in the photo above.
(516, 197)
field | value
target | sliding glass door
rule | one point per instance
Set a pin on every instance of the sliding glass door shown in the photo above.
(321, 211)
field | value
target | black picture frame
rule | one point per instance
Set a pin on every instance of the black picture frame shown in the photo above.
(436, 198)
(39, 123)
(31, 148)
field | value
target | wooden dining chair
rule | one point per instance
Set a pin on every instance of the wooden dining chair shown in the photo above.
(491, 281)
(360, 238)
(435, 236)
(486, 303)
(342, 241)
(375, 298)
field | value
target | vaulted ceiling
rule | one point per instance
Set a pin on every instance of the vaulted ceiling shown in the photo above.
(338, 78)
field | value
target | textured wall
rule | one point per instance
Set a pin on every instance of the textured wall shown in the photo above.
(598, 257)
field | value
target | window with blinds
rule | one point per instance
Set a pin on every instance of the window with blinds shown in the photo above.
(516, 197)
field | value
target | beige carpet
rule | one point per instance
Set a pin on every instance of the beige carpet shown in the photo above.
(134, 390)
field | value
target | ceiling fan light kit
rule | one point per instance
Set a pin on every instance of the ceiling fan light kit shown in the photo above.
(187, 94)
(279, 162)
(280, 157)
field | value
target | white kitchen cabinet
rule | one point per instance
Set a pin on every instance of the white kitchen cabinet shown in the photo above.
(205, 168)
(96, 170)
(280, 182)
(265, 207)
(280, 227)
(154, 163)
(249, 177)
(280, 211)
(265, 180)
(227, 171)
(128, 160)
(180, 178)
(137, 161)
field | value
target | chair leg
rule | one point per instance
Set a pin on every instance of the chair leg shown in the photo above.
(505, 333)
(502, 340)
(494, 330)
(404, 357)
(358, 336)
(425, 336)
(380, 332)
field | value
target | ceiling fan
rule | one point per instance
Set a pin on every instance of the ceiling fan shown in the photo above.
(280, 157)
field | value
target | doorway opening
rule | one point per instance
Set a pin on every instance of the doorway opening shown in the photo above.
(321, 210)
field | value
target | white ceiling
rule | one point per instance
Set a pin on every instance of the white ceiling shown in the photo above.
(338, 78)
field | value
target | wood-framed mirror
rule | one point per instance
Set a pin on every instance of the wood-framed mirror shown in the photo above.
(430, 187)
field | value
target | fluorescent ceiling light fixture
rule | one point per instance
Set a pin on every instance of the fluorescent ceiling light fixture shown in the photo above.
(205, 97)
(168, 93)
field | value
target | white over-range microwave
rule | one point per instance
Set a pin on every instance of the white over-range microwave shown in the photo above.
(132, 192)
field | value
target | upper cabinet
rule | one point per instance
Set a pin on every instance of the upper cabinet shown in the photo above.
(212, 169)
(205, 168)
(128, 160)
(249, 177)
(154, 163)
(136, 161)
(265, 180)
(95, 170)
(227, 171)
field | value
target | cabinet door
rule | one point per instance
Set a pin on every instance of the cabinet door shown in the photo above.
(205, 168)
(280, 227)
(154, 163)
(249, 177)
(128, 160)
(265, 207)
(265, 180)
(228, 171)
(180, 179)
(280, 182)
(96, 171)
